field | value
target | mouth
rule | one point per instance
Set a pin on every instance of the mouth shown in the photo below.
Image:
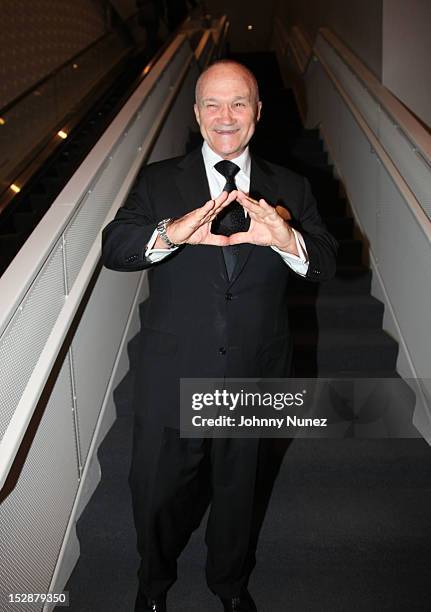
(226, 132)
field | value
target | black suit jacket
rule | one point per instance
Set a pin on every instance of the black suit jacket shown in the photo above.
(197, 322)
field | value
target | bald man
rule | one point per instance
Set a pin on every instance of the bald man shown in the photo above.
(214, 230)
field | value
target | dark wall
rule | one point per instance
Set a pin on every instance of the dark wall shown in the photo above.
(359, 24)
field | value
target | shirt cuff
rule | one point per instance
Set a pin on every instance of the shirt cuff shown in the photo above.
(298, 264)
(154, 255)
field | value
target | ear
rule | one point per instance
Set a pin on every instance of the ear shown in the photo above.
(196, 109)
(259, 109)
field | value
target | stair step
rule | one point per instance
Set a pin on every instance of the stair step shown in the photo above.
(335, 312)
(336, 349)
(354, 374)
(354, 280)
(322, 182)
(311, 158)
(340, 227)
(332, 206)
(312, 134)
(349, 251)
(302, 147)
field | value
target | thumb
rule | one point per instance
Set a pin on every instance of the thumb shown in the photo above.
(239, 238)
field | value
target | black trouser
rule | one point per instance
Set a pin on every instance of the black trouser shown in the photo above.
(172, 480)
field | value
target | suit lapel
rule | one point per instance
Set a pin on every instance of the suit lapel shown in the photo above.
(262, 185)
(192, 181)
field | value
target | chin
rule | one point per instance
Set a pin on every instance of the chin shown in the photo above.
(226, 149)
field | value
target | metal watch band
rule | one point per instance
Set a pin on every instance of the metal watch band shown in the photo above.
(161, 229)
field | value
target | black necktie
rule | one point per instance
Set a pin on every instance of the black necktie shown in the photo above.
(231, 219)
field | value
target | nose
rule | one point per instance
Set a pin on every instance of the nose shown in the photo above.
(226, 113)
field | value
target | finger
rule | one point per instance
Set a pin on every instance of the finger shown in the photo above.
(262, 204)
(212, 214)
(262, 210)
(215, 211)
(212, 207)
(247, 197)
(205, 209)
(220, 205)
(239, 238)
(221, 198)
(231, 196)
(216, 240)
(229, 199)
(211, 204)
(251, 207)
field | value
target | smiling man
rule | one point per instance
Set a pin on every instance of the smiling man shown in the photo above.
(215, 230)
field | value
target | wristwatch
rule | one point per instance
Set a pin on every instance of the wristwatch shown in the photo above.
(161, 230)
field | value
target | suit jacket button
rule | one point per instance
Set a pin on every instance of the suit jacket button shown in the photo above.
(228, 296)
(222, 350)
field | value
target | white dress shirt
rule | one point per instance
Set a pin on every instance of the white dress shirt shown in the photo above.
(216, 183)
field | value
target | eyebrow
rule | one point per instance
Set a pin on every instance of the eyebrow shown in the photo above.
(234, 99)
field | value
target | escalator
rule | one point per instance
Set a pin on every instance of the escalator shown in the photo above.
(24, 212)
(345, 524)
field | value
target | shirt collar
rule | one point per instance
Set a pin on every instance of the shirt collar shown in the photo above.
(211, 158)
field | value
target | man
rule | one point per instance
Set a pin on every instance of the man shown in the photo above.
(215, 229)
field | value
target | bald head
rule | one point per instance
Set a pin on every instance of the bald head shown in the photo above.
(227, 107)
(226, 68)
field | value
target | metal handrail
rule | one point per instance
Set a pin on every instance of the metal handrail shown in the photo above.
(411, 128)
(405, 121)
(403, 118)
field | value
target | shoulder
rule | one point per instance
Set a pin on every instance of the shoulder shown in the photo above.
(161, 169)
(285, 176)
(285, 173)
(173, 164)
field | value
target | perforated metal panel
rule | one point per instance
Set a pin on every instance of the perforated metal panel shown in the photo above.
(359, 167)
(412, 166)
(82, 231)
(312, 78)
(95, 346)
(363, 100)
(26, 334)
(174, 134)
(403, 254)
(330, 104)
(34, 516)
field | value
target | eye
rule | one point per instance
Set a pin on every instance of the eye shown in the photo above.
(239, 104)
